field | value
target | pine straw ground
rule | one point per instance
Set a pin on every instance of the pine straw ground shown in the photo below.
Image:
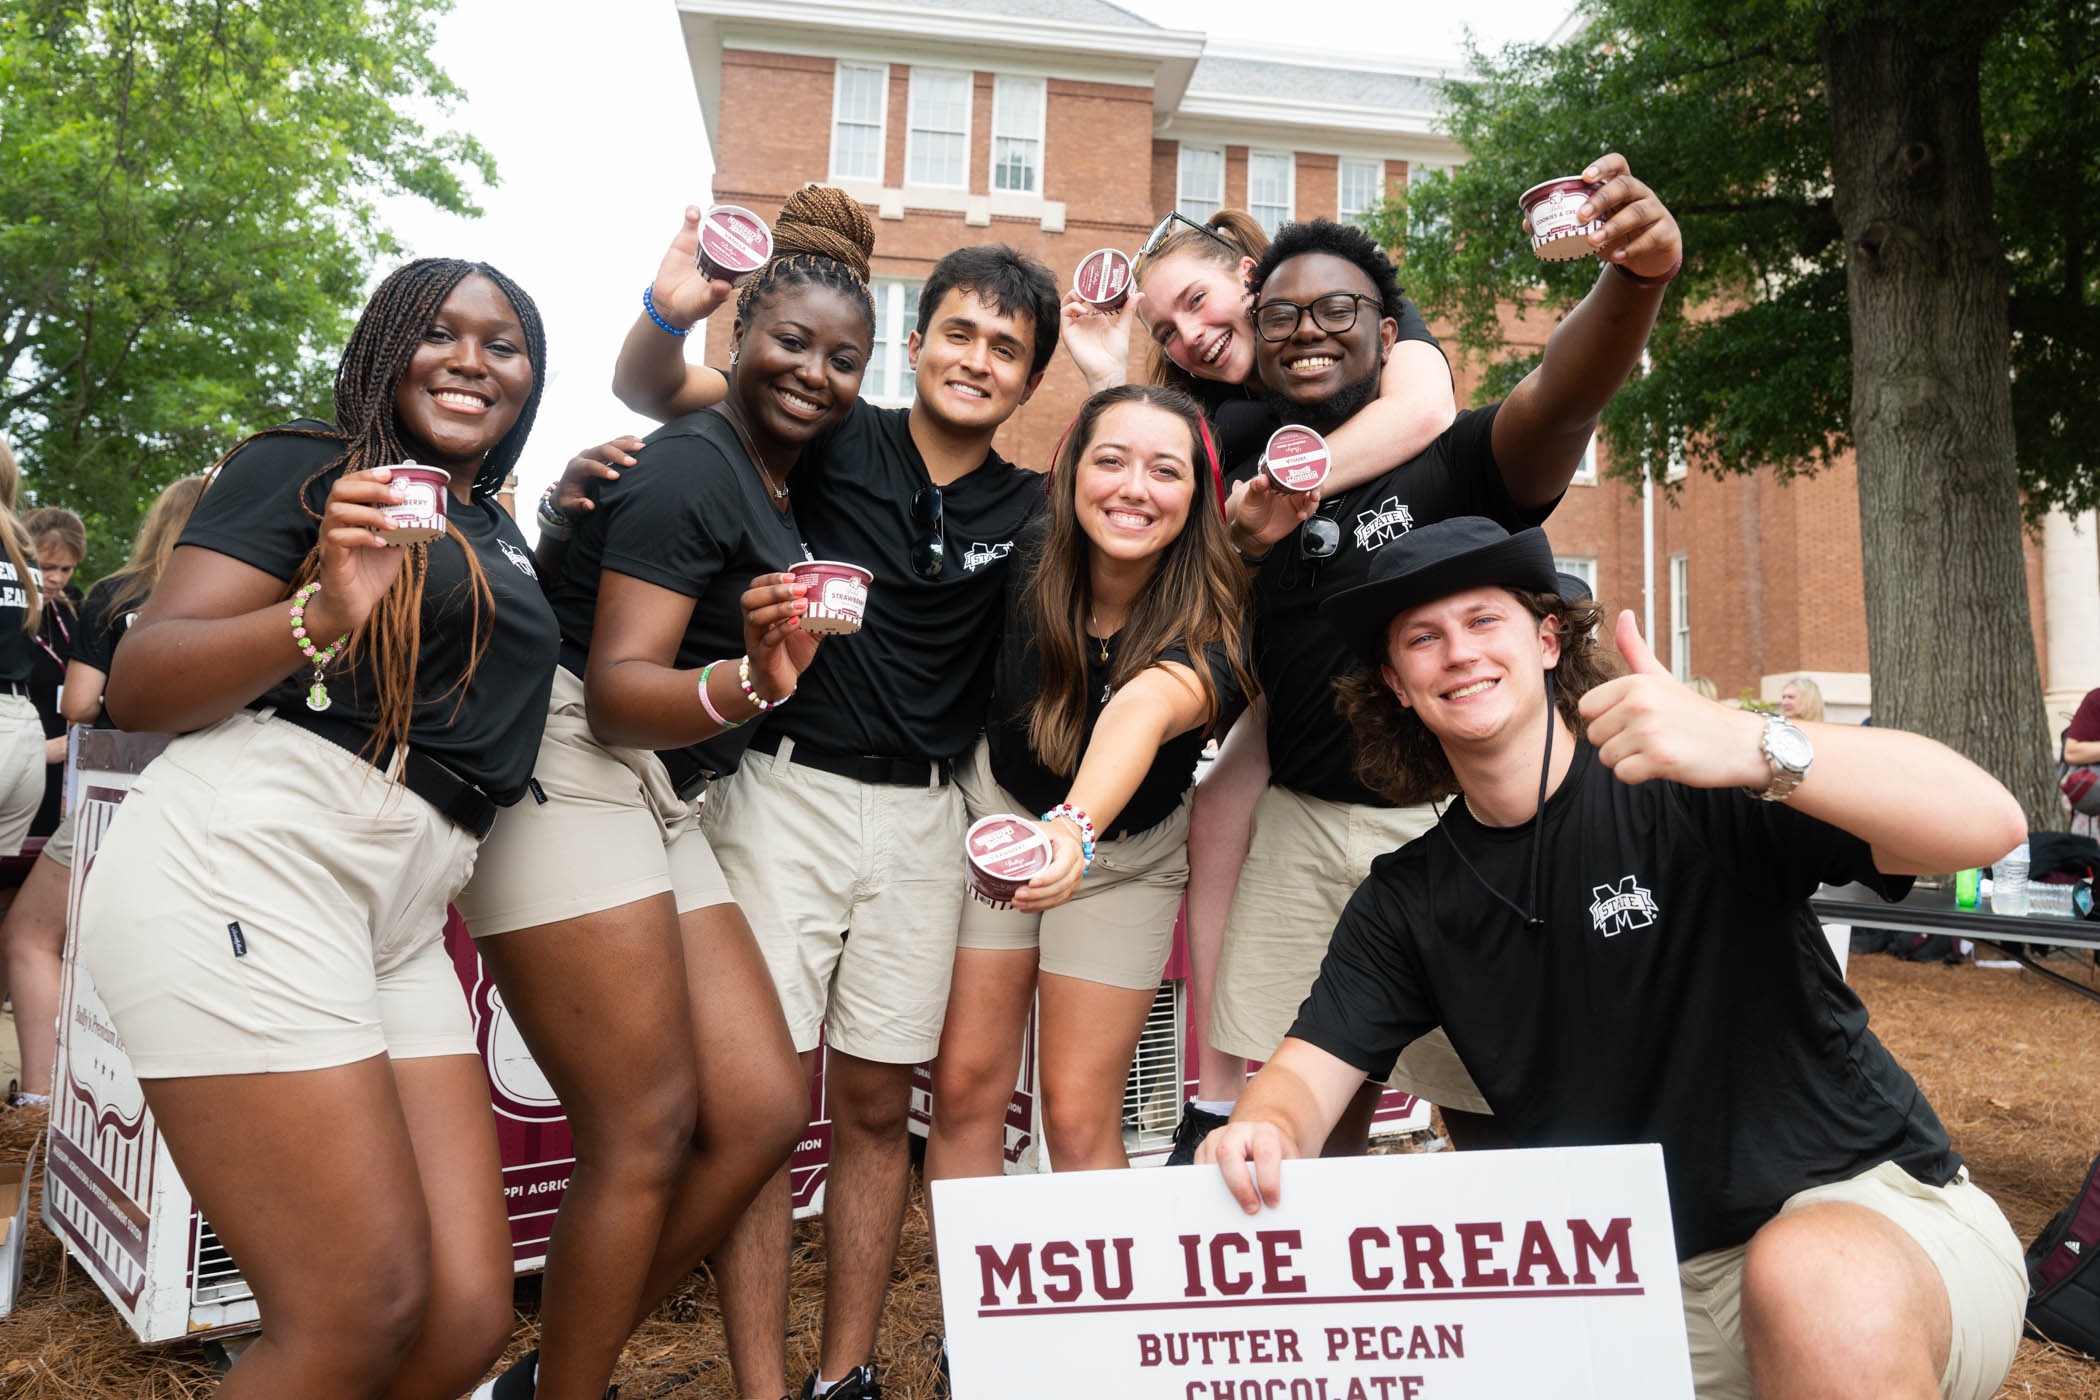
(2010, 1061)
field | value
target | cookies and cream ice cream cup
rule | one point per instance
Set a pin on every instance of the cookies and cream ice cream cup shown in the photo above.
(1558, 234)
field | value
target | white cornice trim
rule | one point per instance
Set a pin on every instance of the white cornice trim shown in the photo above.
(872, 17)
(1308, 57)
(1245, 111)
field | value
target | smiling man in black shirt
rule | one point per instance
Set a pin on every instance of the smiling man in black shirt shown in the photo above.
(1613, 927)
(1326, 312)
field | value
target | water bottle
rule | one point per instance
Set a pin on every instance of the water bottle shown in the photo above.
(2009, 885)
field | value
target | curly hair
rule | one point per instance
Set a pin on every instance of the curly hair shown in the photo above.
(1396, 755)
(1344, 241)
(822, 237)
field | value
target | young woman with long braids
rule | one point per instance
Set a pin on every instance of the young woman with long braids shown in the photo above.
(1192, 297)
(34, 933)
(1123, 649)
(21, 612)
(599, 907)
(352, 716)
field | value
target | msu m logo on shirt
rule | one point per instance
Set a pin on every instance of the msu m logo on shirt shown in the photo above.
(1381, 526)
(979, 555)
(1616, 908)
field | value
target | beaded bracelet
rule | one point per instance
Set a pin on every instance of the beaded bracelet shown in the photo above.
(1080, 822)
(649, 305)
(707, 702)
(553, 524)
(317, 694)
(743, 680)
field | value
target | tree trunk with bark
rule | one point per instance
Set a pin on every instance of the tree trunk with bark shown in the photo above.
(1950, 644)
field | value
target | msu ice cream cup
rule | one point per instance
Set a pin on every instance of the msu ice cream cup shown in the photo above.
(1103, 279)
(733, 242)
(1558, 233)
(838, 595)
(1001, 853)
(1296, 459)
(420, 514)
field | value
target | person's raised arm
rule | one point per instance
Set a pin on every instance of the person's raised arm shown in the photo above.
(1414, 404)
(81, 699)
(652, 376)
(1546, 423)
(217, 633)
(1289, 1107)
(1160, 702)
(1099, 341)
(1922, 807)
(637, 696)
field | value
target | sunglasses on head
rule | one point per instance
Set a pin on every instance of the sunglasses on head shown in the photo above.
(1164, 229)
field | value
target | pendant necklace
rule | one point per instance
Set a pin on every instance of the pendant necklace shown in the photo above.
(780, 493)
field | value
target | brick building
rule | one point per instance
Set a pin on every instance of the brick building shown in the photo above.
(1062, 126)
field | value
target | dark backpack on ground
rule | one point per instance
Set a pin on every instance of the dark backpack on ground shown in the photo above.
(2063, 1273)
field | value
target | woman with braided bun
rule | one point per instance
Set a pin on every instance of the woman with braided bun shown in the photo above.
(266, 921)
(612, 933)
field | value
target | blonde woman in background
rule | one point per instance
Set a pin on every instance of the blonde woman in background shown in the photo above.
(21, 611)
(1801, 698)
(34, 934)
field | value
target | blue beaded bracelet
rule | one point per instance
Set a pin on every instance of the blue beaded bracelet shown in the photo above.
(1083, 825)
(649, 305)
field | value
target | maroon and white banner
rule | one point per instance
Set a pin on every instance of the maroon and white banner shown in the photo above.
(1454, 1276)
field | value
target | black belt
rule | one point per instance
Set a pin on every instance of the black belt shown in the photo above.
(14, 687)
(861, 767)
(458, 800)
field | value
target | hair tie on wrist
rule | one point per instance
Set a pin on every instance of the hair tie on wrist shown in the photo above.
(1651, 283)
(649, 305)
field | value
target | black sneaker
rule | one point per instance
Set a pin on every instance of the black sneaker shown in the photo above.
(859, 1384)
(1196, 1124)
(518, 1382)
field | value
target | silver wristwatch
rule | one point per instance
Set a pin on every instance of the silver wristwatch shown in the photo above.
(1787, 749)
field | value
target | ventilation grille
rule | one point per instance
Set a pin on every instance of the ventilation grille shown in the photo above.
(217, 1278)
(1152, 1094)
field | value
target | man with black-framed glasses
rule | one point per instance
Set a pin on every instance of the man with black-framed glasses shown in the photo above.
(1325, 315)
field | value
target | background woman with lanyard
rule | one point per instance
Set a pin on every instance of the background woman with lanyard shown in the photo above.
(35, 931)
(266, 922)
(599, 907)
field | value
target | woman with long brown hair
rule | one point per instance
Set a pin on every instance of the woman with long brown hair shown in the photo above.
(34, 933)
(1123, 650)
(266, 920)
(21, 612)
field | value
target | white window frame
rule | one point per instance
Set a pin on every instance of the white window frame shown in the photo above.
(1183, 199)
(1342, 213)
(1586, 469)
(890, 347)
(1290, 187)
(882, 120)
(1003, 83)
(1681, 616)
(1583, 567)
(1679, 468)
(912, 128)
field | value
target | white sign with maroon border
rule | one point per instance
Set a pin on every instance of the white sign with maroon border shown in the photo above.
(1416, 1277)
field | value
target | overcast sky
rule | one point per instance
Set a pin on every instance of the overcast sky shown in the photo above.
(592, 118)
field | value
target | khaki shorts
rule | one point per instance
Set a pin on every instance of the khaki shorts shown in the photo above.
(1307, 858)
(58, 846)
(265, 902)
(1119, 928)
(854, 891)
(611, 831)
(1957, 1225)
(21, 770)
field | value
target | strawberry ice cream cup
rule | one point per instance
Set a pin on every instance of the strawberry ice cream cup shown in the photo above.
(1296, 459)
(734, 242)
(1103, 279)
(838, 595)
(1001, 853)
(420, 514)
(1558, 234)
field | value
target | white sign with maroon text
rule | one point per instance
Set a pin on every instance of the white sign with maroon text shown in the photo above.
(1455, 1276)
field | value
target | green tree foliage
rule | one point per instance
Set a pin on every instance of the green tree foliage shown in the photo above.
(187, 223)
(1722, 108)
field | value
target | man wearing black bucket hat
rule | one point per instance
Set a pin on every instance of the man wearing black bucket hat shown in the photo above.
(1326, 301)
(1621, 950)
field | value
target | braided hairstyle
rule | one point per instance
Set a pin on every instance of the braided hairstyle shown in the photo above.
(821, 237)
(392, 325)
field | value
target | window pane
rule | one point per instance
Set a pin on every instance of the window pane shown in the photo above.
(1359, 187)
(940, 121)
(856, 129)
(1013, 164)
(889, 377)
(1200, 189)
(1269, 191)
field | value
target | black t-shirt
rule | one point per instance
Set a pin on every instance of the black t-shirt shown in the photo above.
(18, 649)
(1681, 992)
(101, 628)
(1297, 656)
(490, 734)
(1014, 762)
(915, 680)
(694, 516)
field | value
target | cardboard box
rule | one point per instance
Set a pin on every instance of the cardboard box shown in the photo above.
(14, 1226)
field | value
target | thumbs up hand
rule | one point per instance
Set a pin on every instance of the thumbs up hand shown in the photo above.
(1647, 725)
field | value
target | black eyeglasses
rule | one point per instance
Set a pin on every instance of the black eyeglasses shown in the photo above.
(929, 550)
(1333, 313)
(1164, 228)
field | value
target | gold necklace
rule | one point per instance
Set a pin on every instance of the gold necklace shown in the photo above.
(1094, 626)
(780, 493)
